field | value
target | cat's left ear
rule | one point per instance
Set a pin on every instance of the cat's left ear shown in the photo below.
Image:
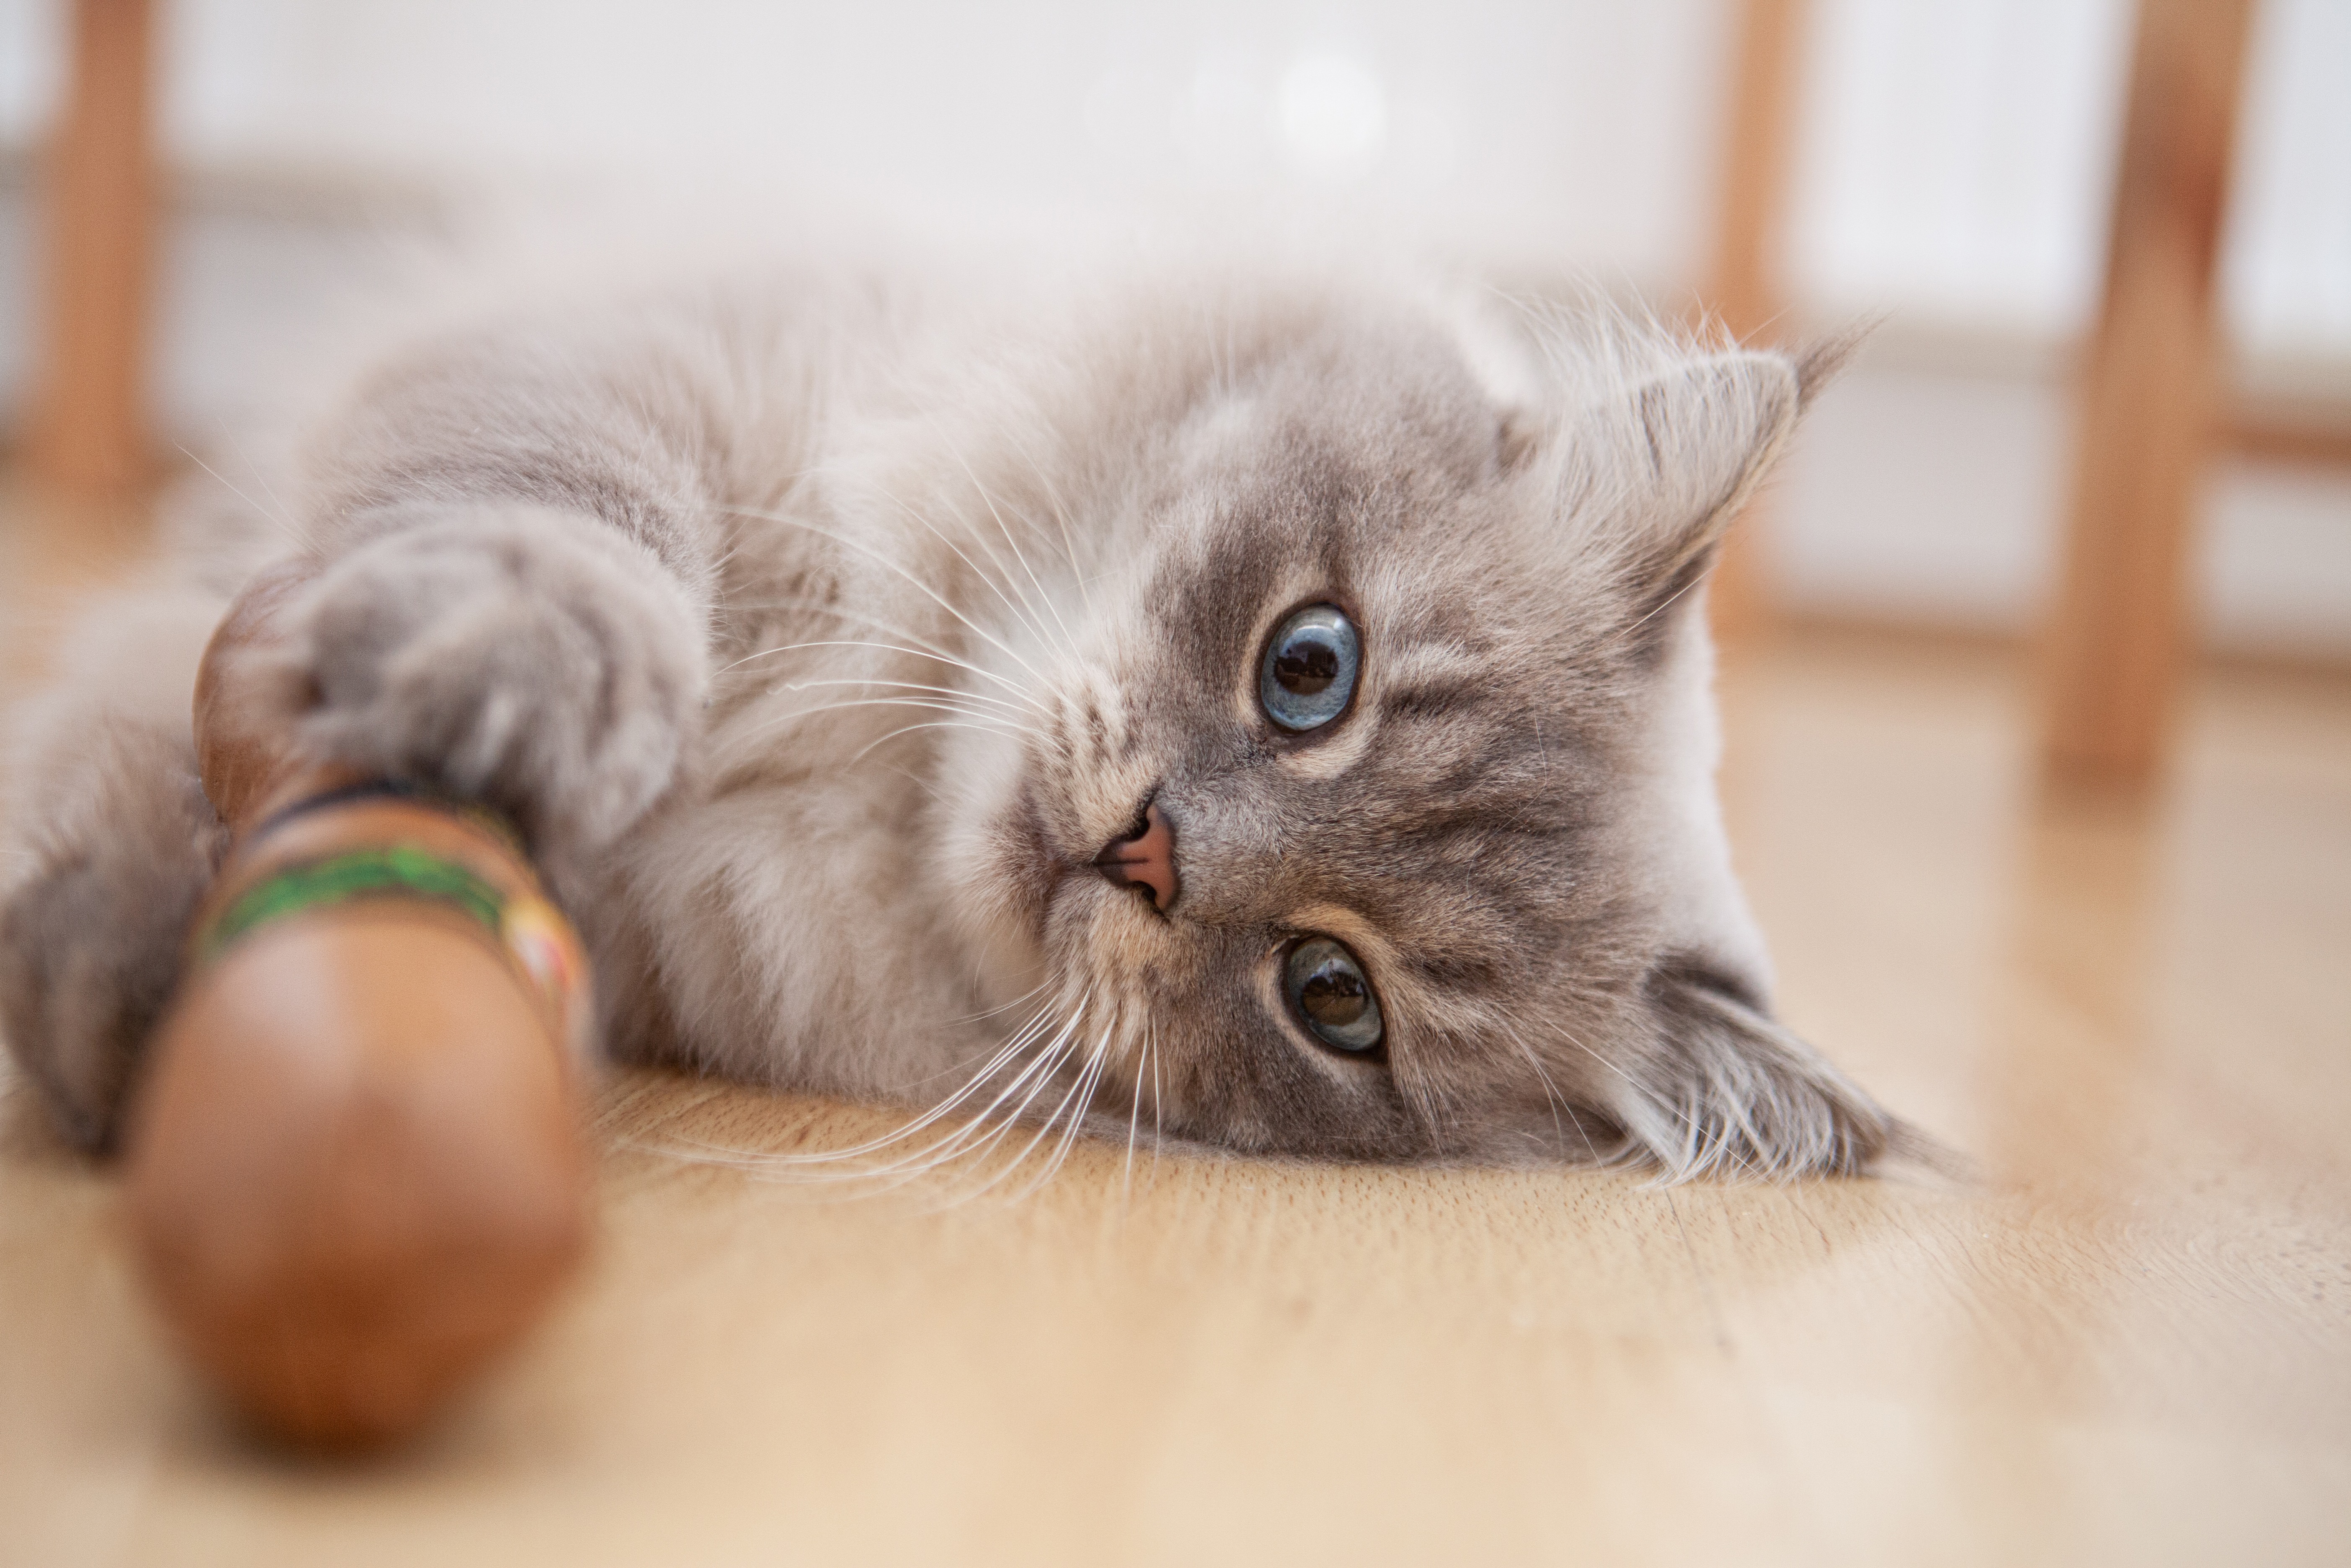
(1723, 1089)
(1682, 452)
(1675, 456)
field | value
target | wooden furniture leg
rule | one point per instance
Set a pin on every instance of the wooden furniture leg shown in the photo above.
(1742, 286)
(89, 418)
(2116, 637)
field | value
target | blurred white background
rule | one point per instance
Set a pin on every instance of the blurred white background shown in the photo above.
(1955, 158)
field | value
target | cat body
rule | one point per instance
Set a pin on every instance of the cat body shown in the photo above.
(901, 680)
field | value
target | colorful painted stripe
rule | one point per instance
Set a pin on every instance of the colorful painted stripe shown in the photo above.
(389, 871)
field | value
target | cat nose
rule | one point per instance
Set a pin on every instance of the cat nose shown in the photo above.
(1144, 859)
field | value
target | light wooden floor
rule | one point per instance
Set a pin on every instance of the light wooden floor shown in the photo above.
(2131, 1342)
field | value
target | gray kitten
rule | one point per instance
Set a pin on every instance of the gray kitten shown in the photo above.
(1276, 712)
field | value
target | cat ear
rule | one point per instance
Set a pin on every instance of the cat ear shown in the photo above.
(1679, 453)
(1724, 1090)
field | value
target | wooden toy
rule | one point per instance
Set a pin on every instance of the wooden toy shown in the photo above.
(355, 1170)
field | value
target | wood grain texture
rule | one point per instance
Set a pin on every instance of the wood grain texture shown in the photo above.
(89, 431)
(2128, 1342)
(1742, 287)
(2117, 633)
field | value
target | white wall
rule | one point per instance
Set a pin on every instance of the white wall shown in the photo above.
(1573, 133)
(1570, 127)
(1953, 171)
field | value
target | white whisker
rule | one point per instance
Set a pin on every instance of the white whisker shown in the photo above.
(1040, 1068)
(926, 588)
(867, 750)
(956, 693)
(1089, 1081)
(1022, 1038)
(971, 718)
(286, 525)
(951, 1148)
(1013, 686)
(1134, 1117)
(1042, 1133)
(1060, 519)
(1020, 613)
(989, 501)
(1551, 1093)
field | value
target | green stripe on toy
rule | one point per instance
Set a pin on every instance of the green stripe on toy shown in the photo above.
(393, 871)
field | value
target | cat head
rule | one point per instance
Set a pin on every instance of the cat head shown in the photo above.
(1362, 800)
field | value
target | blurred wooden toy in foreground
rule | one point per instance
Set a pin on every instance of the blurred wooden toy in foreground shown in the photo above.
(355, 1171)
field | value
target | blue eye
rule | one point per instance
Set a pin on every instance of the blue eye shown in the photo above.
(1327, 990)
(1309, 669)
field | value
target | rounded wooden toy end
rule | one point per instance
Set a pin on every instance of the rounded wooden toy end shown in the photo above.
(355, 1170)
(356, 1176)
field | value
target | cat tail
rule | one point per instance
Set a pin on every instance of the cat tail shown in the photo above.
(110, 845)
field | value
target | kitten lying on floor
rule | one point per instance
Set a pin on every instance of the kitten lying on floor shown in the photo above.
(1278, 712)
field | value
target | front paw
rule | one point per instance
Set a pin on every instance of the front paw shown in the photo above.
(525, 657)
(113, 847)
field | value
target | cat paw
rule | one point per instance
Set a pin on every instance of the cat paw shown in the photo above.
(111, 867)
(525, 657)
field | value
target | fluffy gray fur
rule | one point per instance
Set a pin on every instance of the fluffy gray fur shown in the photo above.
(822, 627)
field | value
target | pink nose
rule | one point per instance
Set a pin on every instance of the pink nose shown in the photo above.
(1145, 861)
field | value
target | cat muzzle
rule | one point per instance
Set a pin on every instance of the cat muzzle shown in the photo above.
(1144, 859)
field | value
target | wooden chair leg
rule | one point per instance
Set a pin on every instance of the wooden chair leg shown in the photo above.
(2117, 639)
(1744, 288)
(89, 421)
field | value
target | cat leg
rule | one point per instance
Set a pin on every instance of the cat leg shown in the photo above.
(524, 656)
(113, 844)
